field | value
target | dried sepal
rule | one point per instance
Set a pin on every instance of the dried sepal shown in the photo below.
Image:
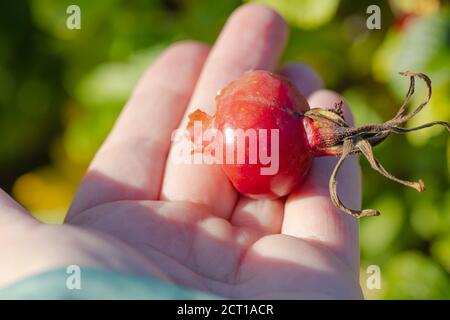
(362, 139)
(199, 122)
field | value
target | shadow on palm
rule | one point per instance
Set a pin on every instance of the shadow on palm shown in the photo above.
(197, 249)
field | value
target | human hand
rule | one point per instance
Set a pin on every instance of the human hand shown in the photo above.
(136, 211)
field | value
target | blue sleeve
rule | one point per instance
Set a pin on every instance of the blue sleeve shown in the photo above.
(97, 284)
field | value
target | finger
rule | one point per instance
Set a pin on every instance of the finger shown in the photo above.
(263, 216)
(309, 212)
(305, 78)
(253, 38)
(298, 268)
(130, 163)
(266, 215)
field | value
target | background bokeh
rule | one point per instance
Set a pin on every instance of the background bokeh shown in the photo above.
(61, 90)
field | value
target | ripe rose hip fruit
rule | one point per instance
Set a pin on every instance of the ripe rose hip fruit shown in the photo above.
(268, 136)
(260, 100)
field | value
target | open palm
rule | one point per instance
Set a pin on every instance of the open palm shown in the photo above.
(136, 211)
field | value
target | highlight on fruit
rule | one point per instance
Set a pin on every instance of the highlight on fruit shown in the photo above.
(261, 101)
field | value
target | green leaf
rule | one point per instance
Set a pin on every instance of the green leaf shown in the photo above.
(440, 250)
(426, 218)
(363, 112)
(110, 84)
(412, 275)
(305, 14)
(378, 234)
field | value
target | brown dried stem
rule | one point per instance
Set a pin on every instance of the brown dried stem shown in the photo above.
(362, 139)
(367, 150)
(346, 151)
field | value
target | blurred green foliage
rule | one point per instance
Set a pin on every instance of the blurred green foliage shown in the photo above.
(61, 90)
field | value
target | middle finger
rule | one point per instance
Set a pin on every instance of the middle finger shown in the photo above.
(253, 38)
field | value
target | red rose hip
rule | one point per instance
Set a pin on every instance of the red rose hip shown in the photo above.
(266, 136)
(264, 109)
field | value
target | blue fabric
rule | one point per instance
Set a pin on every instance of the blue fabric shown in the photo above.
(97, 284)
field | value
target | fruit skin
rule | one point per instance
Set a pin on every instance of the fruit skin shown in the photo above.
(263, 100)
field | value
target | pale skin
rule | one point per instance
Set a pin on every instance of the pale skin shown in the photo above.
(137, 212)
